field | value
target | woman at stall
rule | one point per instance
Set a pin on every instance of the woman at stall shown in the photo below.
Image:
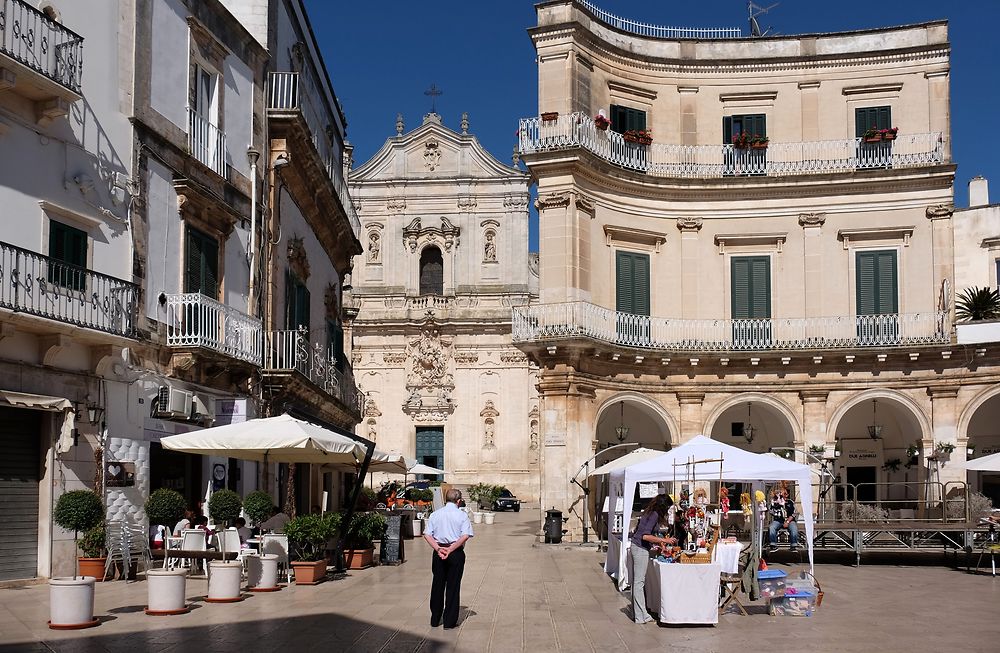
(644, 541)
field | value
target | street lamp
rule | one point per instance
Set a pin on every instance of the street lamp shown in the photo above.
(621, 430)
(875, 430)
(970, 451)
(94, 412)
(748, 429)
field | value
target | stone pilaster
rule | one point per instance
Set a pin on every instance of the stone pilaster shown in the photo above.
(691, 422)
(812, 266)
(944, 428)
(691, 298)
(942, 246)
(814, 431)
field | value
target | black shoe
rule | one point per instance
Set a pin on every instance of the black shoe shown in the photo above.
(772, 548)
(794, 549)
(435, 623)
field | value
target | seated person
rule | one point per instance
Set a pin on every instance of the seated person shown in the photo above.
(201, 523)
(275, 524)
(184, 523)
(241, 528)
(782, 513)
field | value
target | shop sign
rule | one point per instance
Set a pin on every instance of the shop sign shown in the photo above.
(119, 474)
(861, 452)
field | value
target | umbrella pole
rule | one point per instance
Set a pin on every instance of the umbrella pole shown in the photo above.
(338, 555)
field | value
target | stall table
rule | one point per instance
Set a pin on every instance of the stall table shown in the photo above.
(611, 563)
(683, 593)
(727, 554)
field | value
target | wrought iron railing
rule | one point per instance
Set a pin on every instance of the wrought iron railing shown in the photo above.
(194, 320)
(577, 130)
(659, 31)
(291, 91)
(207, 143)
(33, 39)
(291, 350)
(546, 322)
(40, 285)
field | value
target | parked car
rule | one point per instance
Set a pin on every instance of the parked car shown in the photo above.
(507, 501)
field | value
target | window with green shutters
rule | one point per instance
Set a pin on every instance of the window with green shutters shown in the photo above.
(754, 124)
(68, 246)
(751, 287)
(632, 283)
(296, 302)
(866, 118)
(624, 119)
(201, 264)
(878, 292)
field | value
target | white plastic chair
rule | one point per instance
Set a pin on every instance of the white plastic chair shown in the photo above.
(277, 545)
(229, 540)
(193, 539)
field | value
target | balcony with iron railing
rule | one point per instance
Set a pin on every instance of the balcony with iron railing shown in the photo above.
(292, 351)
(207, 143)
(41, 58)
(197, 321)
(44, 287)
(297, 93)
(566, 321)
(578, 130)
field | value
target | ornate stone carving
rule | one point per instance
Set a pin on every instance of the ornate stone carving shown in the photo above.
(533, 263)
(330, 302)
(415, 234)
(812, 219)
(515, 201)
(533, 439)
(429, 380)
(689, 224)
(400, 126)
(939, 211)
(374, 247)
(432, 154)
(394, 359)
(489, 413)
(371, 409)
(552, 201)
(372, 430)
(465, 123)
(490, 247)
(466, 357)
(584, 203)
(513, 357)
(395, 204)
(298, 261)
(467, 202)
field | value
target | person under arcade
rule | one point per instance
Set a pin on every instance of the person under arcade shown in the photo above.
(644, 542)
(783, 516)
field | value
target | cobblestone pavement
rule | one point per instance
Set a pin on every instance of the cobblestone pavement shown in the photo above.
(521, 596)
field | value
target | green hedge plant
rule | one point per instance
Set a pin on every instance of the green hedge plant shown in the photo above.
(258, 507)
(364, 529)
(165, 507)
(92, 544)
(308, 534)
(225, 506)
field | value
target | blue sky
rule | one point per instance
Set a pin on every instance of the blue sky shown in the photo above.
(383, 54)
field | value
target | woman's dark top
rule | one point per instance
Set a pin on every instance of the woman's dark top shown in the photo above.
(647, 524)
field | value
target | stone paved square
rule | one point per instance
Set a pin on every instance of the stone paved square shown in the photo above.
(521, 596)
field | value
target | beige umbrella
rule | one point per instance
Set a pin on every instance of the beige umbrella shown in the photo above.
(637, 456)
(382, 461)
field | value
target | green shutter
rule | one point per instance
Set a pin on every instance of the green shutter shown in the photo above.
(751, 287)
(865, 273)
(887, 286)
(727, 130)
(877, 283)
(626, 118)
(640, 288)
(192, 262)
(210, 268)
(67, 245)
(201, 264)
(867, 117)
(632, 283)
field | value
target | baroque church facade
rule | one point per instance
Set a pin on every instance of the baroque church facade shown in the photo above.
(445, 231)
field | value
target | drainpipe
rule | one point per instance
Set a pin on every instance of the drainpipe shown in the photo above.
(252, 157)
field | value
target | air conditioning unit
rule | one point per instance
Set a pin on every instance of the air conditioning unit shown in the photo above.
(203, 409)
(171, 402)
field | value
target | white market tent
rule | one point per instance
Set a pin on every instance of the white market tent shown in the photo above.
(427, 470)
(738, 465)
(989, 463)
(631, 458)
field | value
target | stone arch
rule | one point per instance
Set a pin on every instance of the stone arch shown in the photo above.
(880, 393)
(977, 402)
(431, 270)
(644, 405)
(771, 402)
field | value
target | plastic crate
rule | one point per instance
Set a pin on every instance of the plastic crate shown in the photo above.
(802, 604)
(772, 583)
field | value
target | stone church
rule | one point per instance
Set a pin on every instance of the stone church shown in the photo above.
(445, 230)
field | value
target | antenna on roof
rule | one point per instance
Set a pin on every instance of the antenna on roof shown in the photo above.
(755, 10)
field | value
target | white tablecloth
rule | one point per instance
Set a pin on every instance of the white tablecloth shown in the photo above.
(727, 554)
(682, 593)
(611, 563)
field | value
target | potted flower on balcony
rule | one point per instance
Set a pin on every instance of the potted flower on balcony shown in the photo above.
(889, 134)
(601, 122)
(638, 136)
(308, 535)
(549, 116)
(872, 135)
(758, 142)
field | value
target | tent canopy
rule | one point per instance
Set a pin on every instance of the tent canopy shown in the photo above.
(737, 465)
(989, 463)
(631, 458)
(282, 439)
(425, 469)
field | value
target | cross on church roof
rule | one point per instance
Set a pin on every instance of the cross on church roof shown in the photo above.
(433, 92)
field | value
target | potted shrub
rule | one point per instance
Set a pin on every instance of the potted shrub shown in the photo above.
(225, 506)
(226, 576)
(165, 507)
(741, 141)
(601, 122)
(638, 136)
(359, 539)
(977, 311)
(258, 507)
(889, 134)
(308, 535)
(95, 553)
(72, 599)
(872, 135)
(758, 142)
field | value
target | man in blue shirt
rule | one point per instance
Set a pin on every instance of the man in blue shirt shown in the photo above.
(447, 531)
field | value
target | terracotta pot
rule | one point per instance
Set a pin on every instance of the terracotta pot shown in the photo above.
(224, 580)
(602, 126)
(549, 116)
(262, 572)
(166, 589)
(359, 558)
(888, 136)
(759, 146)
(309, 572)
(71, 603)
(873, 139)
(93, 567)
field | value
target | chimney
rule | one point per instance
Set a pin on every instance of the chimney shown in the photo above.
(979, 192)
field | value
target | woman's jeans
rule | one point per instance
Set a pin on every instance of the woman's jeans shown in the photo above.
(793, 532)
(640, 561)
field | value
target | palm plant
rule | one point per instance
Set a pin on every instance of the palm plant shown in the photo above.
(978, 304)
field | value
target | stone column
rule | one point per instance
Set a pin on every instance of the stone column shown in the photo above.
(691, 422)
(944, 427)
(690, 266)
(812, 272)
(814, 431)
(942, 249)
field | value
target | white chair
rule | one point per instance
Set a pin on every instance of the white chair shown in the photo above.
(193, 539)
(229, 540)
(277, 545)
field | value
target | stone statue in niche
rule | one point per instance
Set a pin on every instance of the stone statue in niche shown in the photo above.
(489, 413)
(489, 434)
(533, 446)
(413, 401)
(372, 433)
(490, 248)
(374, 247)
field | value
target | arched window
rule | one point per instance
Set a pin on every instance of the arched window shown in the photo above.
(431, 272)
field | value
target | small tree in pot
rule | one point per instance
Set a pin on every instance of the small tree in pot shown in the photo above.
(165, 507)
(359, 539)
(308, 535)
(71, 600)
(225, 506)
(258, 507)
(79, 510)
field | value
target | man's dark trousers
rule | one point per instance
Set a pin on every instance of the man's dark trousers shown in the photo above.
(446, 587)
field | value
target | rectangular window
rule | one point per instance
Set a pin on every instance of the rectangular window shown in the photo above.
(740, 160)
(879, 153)
(751, 301)
(632, 297)
(68, 246)
(296, 302)
(876, 277)
(866, 118)
(430, 447)
(752, 124)
(205, 97)
(201, 264)
(997, 264)
(624, 119)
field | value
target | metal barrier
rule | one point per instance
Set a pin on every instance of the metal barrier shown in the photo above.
(873, 503)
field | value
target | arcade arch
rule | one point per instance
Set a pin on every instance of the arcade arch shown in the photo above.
(771, 423)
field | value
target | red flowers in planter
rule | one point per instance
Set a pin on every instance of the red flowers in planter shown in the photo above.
(601, 122)
(640, 136)
(746, 141)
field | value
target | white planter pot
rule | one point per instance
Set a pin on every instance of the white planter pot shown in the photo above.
(224, 580)
(167, 589)
(477, 518)
(71, 603)
(488, 517)
(418, 527)
(262, 572)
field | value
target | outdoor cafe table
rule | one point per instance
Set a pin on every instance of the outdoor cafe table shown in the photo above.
(683, 593)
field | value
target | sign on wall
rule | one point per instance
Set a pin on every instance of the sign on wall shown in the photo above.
(118, 474)
(861, 453)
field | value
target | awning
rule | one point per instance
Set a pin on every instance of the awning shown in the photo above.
(51, 404)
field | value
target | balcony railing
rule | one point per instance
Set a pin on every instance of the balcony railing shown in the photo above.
(46, 287)
(292, 350)
(289, 91)
(547, 322)
(33, 39)
(194, 320)
(577, 130)
(207, 143)
(660, 31)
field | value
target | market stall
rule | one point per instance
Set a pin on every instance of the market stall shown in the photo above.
(683, 594)
(704, 459)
